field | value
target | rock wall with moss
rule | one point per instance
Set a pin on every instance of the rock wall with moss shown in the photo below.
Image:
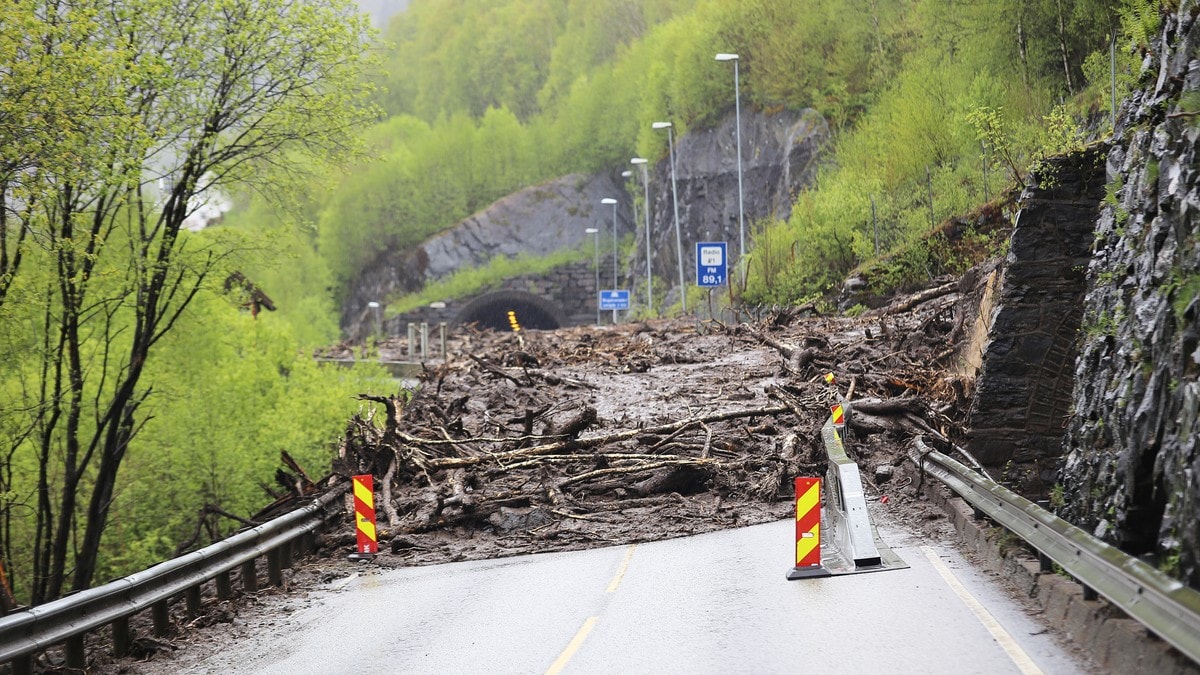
(1130, 474)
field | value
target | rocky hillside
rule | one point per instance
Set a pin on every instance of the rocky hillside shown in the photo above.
(780, 153)
(1131, 472)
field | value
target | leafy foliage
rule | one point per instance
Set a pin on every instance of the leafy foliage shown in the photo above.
(934, 101)
(125, 117)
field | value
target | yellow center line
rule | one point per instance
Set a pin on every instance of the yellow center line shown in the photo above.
(577, 641)
(572, 647)
(1007, 643)
(616, 581)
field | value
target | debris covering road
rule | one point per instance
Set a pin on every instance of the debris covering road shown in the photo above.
(535, 441)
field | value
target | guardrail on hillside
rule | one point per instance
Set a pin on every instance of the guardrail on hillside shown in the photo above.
(24, 634)
(1163, 605)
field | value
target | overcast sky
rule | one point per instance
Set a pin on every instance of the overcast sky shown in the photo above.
(380, 10)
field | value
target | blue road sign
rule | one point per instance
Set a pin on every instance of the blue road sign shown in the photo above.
(614, 300)
(712, 264)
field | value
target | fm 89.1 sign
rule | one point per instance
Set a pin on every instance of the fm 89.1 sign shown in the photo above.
(712, 264)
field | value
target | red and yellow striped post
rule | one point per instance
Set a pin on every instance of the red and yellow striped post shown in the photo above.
(808, 530)
(839, 416)
(364, 516)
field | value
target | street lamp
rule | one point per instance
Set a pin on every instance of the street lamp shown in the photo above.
(610, 200)
(596, 247)
(377, 310)
(627, 174)
(737, 108)
(675, 202)
(646, 186)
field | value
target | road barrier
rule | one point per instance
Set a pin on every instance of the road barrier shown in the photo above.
(850, 521)
(847, 523)
(364, 517)
(26, 633)
(1165, 606)
(808, 530)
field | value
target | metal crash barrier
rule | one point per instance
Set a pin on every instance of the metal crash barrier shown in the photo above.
(1164, 605)
(855, 543)
(850, 523)
(24, 634)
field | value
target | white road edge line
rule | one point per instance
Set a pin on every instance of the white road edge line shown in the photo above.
(572, 647)
(1006, 641)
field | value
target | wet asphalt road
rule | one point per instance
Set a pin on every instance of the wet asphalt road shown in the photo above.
(715, 603)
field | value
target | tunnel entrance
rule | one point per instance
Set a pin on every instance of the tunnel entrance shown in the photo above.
(490, 311)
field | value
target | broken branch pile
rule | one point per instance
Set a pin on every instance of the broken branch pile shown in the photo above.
(531, 442)
(588, 436)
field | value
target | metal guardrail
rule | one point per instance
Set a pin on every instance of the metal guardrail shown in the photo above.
(66, 620)
(1165, 606)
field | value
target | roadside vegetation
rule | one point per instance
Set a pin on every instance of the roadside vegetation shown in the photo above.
(937, 106)
(138, 396)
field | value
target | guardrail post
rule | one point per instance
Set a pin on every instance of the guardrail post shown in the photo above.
(76, 656)
(412, 340)
(285, 556)
(192, 596)
(442, 334)
(1089, 593)
(249, 577)
(1045, 563)
(224, 585)
(23, 665)
(120, 634)
(162, 618)
(274, 568)
(424, 340)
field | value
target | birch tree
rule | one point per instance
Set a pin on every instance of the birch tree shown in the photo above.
(135, 111)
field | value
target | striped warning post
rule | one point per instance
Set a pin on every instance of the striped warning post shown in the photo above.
(839, 416)
(364, 516)
(808, 530)
(829, 378)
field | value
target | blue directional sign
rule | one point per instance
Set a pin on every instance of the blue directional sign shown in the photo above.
(614, 299)
(712, 264)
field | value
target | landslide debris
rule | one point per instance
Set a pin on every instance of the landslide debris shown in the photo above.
(535, 441)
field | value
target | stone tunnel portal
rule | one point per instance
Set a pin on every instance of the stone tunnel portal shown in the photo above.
(490, 311)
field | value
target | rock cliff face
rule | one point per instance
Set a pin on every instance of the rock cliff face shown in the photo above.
(1131, 473)
(1023, 392)
(535, 221)
(779, 156)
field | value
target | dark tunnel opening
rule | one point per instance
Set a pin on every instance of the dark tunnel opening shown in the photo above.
(491, 311)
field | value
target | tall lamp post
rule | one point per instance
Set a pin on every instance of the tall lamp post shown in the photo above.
(377, 311)
(642, 161)
(596, 248)
(628, 174)
(737, 108)
(610, 200)
(675, 202)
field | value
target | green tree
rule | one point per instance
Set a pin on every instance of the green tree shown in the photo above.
(188, 96)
